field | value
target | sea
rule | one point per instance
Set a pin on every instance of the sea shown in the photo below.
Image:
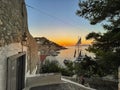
(69, 53)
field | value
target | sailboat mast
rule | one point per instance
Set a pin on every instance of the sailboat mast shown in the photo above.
(78, 49)
(78, 45)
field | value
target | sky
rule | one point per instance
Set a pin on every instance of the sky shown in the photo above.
(57, 21)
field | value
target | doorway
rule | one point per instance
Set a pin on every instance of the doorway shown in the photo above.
(16, 72)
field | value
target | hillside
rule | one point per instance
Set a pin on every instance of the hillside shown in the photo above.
(44, 42)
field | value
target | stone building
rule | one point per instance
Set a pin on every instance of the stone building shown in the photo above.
(18, 49)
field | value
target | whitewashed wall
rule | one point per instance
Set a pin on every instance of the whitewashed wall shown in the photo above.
(5, 52)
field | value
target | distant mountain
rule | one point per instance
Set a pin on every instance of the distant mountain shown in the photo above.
(44, 42)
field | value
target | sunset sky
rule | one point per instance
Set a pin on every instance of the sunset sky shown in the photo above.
(57, 21)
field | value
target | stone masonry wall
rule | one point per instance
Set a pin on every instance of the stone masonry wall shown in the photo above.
(13, 23)
(33, 53)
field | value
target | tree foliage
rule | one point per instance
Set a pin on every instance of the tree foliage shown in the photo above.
(86, 67)
(106, 46)
(101, 10)
(55, 67)
(50, 67)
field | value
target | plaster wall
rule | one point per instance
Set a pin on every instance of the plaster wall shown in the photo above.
(5, 52)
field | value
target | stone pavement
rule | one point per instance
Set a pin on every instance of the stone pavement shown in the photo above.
(52, 82)
(62, 86)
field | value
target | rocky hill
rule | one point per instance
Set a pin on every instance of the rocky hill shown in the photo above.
(44, 42)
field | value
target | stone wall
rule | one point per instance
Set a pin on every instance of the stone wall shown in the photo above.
(43, 79)
(13, 24)
(102, 84)
(33, 58)
(52, 81)
(11, 21)
(99, 83)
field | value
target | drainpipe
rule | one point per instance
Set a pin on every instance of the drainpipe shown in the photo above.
(119, 78)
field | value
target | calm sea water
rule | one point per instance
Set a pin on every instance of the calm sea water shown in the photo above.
(69, 53)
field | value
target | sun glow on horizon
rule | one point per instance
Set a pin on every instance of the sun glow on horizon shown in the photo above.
(68, 41)
(63, 41)
(72, 43)
(63, 36)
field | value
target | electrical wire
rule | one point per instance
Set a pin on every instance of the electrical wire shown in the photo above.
(50, 15)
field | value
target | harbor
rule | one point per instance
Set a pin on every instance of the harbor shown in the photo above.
(59, 45)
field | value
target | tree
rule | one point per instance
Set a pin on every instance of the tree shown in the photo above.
(107, 49)
(101, 10)
(86, 67)
(55, 67)
(50, 67)
(106, 46)
(69, 68)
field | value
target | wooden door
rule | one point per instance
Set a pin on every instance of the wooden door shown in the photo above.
(16, 72)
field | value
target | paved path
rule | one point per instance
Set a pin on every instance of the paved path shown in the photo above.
(53, 82)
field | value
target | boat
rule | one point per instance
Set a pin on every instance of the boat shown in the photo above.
(78, 52)
(78, 57)
(66, 61)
